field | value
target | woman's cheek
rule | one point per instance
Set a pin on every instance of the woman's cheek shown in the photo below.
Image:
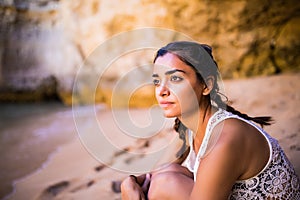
(188, 100)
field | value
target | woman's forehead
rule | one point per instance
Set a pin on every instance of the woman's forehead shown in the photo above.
(170, 62)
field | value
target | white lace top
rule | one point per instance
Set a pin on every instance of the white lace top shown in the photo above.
(277, 180)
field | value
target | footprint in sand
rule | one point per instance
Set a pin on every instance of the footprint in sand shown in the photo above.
(99, 168)
(83, 186)
(116, 186)
(87, 184)
(130, 159)
(53, 190)
(295, 147)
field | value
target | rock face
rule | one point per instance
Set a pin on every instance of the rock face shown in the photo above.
(35, 51)
(44, 42)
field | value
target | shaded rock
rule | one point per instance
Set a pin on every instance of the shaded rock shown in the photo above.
(37, 57)
(48, 39)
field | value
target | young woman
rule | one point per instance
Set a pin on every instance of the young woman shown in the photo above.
(230, 156)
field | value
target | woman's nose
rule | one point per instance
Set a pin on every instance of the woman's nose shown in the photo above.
(164, 90)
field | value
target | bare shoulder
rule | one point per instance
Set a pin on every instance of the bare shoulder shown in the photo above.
(235, 130)
(223, 165)
(246, 143)
(239, 139)
(232, 132)
(230, 149)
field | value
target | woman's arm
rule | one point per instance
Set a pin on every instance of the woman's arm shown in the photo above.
(222, 167)
(135, 187)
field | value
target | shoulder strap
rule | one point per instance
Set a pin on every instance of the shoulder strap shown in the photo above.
(210, 139)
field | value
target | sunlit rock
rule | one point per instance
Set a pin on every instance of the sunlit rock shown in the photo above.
(43, 43)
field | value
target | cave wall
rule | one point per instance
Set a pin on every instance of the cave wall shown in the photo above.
(44, 42)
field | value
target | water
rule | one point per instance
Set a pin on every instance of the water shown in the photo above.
(29, 133)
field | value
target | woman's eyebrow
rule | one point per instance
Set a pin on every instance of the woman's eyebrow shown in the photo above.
(173, 71)
(169, 72)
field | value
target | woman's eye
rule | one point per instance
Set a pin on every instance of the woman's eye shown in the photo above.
(176, 78)
(156, 82)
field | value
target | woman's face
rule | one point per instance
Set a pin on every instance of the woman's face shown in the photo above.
(177, 89)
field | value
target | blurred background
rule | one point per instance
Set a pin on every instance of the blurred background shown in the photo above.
(43, 44)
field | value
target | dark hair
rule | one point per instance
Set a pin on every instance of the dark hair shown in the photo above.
(200, 58)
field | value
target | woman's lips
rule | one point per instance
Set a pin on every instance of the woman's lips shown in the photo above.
(165, 104)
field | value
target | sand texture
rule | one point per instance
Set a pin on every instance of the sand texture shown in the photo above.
(71, 172)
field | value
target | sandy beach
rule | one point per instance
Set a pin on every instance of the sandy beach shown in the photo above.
(53, 156)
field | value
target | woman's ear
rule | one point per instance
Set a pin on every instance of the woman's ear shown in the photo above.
(209, 81)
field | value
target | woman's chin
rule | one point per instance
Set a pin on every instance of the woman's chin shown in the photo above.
(169, 115)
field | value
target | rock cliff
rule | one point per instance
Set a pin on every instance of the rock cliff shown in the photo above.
(43, 43)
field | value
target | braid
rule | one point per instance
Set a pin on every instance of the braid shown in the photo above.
(215, 96)
(263, 120)
(181, 130)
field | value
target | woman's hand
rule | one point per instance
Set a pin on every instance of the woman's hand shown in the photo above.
(146, 183)
(135, 188)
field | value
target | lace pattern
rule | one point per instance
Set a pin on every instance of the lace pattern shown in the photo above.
(277, 181)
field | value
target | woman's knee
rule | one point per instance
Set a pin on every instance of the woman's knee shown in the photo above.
(176, 168)
(173, 167)
(158, 186)
(166, 185)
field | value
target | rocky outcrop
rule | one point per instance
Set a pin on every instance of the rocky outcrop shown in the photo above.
(38, 59)
(44, 42)
(248, 37)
